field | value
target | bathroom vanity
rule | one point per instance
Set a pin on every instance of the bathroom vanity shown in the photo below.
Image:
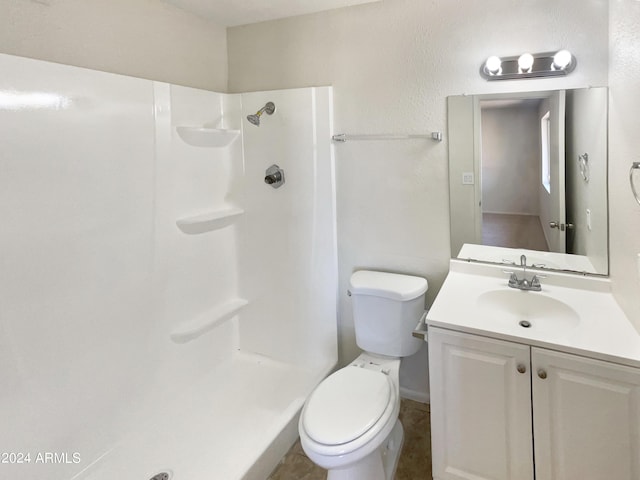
(531, 384)
(527, 384)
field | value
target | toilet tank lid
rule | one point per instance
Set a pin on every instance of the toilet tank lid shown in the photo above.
(395, 286)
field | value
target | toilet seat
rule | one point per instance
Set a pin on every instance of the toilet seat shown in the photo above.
(346, 405)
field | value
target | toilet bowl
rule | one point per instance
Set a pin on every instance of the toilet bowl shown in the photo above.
(349, 424)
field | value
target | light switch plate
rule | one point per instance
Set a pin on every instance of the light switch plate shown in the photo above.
(467, 178)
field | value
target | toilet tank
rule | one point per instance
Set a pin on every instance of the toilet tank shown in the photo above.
(386, 309)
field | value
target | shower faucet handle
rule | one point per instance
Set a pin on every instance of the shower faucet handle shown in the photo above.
(274, 176)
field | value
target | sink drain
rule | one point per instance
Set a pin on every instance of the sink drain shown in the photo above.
(160, 476)
(525, 324)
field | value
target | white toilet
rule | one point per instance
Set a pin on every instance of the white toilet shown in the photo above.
(349, 424)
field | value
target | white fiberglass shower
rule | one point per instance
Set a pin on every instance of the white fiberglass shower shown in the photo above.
(163, 309)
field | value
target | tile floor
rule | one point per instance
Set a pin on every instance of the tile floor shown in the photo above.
(415, 459)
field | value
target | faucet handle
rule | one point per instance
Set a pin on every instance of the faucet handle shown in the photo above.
(513, 278)
(508, 262)
(535, 282)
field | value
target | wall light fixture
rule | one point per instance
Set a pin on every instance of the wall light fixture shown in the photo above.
(528, 65)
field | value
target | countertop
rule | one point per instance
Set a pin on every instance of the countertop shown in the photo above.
(603, 330)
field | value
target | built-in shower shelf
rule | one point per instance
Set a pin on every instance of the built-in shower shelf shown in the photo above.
(204, 322)
(207, 137)
(209, 221)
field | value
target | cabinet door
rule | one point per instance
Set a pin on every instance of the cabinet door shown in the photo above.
(586, 416)
(480, 407)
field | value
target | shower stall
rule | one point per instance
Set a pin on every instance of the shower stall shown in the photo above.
(164, 312)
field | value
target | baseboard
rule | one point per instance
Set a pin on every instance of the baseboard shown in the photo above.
(421, 397)
(523, 214)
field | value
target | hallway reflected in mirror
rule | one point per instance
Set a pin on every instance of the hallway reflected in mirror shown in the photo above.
(513, 231)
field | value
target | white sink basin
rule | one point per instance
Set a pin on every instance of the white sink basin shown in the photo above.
(575, 314)
(527, 310)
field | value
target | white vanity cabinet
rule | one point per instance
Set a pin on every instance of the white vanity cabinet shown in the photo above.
(498, 405)
(586, 418)
(480, 408)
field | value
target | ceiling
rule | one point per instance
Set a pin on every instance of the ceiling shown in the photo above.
(231, 13)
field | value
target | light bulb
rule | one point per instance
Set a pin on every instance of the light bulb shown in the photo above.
(562, 60)
(493, 65)
(525, 62)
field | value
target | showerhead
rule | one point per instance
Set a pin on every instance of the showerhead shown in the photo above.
(269, 108)
(255, 119)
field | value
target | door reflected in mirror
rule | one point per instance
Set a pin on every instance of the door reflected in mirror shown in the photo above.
(527, 174)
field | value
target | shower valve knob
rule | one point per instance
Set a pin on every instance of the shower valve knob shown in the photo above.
(274, 176)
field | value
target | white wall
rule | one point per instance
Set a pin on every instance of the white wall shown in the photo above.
(141, 38)
(77, 197)
(192, 273)
(464, 203)
(510, 160)
(624, 145)
(288, 258)
(586, 126)
(392, 64)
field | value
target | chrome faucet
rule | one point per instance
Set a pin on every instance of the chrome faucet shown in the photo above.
(523, 283)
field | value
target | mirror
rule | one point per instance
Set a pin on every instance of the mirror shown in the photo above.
(528, 175)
